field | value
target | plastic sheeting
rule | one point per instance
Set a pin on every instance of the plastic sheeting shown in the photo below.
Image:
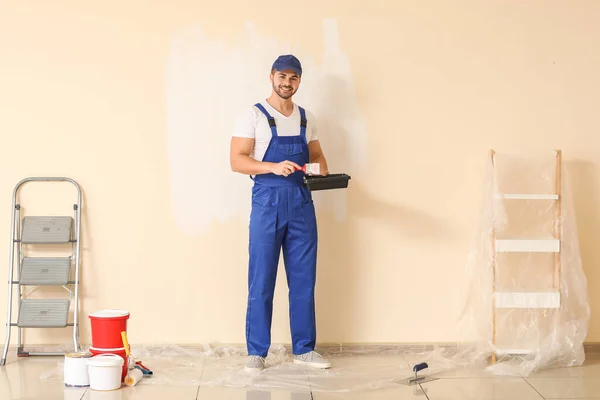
(526, 302)
(354, 369)
(532, 303)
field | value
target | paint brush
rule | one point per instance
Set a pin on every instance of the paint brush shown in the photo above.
(311, 169)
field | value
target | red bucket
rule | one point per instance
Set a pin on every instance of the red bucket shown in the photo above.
(118, 352)
(107, 326)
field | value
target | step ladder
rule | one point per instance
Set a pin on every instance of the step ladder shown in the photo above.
(550, 300)
(35, 271)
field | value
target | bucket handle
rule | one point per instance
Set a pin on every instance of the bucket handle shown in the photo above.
(106, 354)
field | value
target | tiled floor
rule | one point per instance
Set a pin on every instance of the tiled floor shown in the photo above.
(367, 377)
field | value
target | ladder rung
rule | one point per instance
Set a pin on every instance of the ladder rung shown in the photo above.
(41, 271)
(16, 324)
(18, 283)
(46, 230)
(518, 196)
(527, 300)
(527, 245)
(21, 353)
(514, 351)
(43, 313)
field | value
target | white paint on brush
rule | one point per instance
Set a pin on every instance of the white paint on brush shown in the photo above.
(210, 83)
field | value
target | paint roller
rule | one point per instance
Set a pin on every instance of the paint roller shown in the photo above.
(134, 375)
(130, 361)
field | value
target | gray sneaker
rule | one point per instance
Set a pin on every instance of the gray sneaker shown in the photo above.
(255, 363)
(311, 359)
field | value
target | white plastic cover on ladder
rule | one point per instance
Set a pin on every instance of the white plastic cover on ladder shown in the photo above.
(518, 270)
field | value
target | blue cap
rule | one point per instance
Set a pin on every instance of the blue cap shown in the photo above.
(288, 62)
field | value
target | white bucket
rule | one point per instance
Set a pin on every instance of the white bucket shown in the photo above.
(105, 371)
(75, 370)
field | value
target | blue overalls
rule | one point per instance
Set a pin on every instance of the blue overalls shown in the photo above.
(282, 217)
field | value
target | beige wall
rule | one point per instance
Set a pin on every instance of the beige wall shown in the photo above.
(83, 94)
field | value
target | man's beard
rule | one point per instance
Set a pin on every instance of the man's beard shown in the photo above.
(284, 95)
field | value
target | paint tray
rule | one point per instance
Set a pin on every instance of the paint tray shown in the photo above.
(331, 181)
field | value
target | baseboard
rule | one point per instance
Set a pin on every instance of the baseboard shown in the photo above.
(589, 347)
(592, 348)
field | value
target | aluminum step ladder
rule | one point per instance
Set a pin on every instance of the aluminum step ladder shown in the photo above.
(39, 271)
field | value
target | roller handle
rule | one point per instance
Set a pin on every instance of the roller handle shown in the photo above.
(125, 343)
(420, 367)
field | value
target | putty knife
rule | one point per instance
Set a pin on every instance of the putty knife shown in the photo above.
(417, 379)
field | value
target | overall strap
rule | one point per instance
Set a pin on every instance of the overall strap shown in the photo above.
(269, 118)
(302, 123)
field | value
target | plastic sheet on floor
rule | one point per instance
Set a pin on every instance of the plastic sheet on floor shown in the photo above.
(353, 369)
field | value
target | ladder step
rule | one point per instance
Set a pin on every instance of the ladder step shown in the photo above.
(527, 245)
(514, 351)
(527, 300)
(46, 230)
(517, 196)
(52, 313)
(41, 271)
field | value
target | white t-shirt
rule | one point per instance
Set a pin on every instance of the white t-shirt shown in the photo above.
(253, 124)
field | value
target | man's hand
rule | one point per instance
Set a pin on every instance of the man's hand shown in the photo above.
(317, 156)
(285, 168)
(323, 165)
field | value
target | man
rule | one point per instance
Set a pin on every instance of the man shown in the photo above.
(272, 141)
